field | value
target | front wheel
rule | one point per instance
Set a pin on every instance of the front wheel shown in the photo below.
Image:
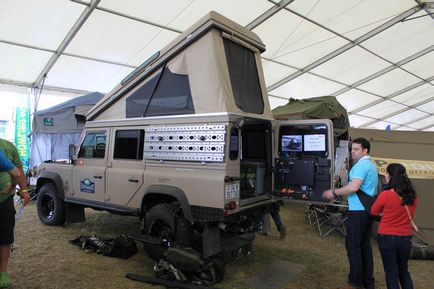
(51, 209)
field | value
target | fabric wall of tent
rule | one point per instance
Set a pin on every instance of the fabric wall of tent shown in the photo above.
(415, 151)
(56, 127)
(323, 107)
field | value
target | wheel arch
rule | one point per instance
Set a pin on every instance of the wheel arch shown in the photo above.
(51, 177)
(155, 194)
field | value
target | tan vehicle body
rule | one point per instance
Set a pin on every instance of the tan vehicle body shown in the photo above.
(189, 133)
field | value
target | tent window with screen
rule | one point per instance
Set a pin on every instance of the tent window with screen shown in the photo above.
(244, 77)
(165, 94)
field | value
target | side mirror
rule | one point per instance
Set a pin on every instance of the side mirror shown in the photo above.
(71, 149)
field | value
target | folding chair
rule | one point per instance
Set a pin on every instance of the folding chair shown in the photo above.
(327, 218)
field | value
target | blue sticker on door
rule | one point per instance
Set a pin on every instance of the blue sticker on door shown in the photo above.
(87, 186)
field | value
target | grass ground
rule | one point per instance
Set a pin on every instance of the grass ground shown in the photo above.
(43, 258)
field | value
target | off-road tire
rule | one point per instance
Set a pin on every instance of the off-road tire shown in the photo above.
(166, 222)
(51, 208)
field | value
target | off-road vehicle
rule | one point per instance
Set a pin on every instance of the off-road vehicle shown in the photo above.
(187, 142)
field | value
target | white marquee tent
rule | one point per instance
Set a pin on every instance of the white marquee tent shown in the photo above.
(375, 56)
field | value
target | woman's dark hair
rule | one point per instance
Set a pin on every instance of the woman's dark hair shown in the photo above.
(400, 182)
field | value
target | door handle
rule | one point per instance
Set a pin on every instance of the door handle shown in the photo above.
(97, 177)
(133, 180)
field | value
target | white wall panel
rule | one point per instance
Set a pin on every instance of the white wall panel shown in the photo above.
(294, 41)
(407, 116)
(351, 66)
(357, 120)
(40, 23)
(275, 101)
(416, 95)
(180, 14)
(86, 74)
(114, 38)
(274, 72)
(390, 82)
(423, 123)
(382, 109)
(351, 18)
(21, 64)
(354, 99)
(422, 66)
(404, 38)
(427, 107)
(306, 86)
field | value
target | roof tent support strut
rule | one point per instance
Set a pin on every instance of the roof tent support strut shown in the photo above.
(346, 47)
(78, 24)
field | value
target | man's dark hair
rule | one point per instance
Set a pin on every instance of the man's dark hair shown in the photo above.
(363, 142)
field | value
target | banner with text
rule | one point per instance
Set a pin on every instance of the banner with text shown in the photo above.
(415, 169)
(22, 130)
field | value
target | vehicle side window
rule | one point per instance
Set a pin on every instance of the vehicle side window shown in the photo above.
(129, 144)
(93, 146)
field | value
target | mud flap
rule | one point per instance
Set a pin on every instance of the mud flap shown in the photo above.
(211, 241)
(74, 213)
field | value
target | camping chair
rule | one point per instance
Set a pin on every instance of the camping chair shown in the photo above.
(327, 218)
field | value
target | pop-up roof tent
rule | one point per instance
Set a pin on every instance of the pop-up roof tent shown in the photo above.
(208, 68)
(413, 149)
(56, 127)
(323, 107)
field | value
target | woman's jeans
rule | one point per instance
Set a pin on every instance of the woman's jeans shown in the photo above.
(395, 251)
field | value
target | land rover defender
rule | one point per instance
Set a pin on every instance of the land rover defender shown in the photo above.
(187, 142)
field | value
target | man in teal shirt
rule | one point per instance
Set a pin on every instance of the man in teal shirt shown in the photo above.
(363, 179)
(9, 156)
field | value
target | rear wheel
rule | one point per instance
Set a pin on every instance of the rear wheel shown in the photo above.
(51, 209)
(165, 222)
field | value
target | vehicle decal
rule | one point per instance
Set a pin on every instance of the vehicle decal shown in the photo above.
(87, 186)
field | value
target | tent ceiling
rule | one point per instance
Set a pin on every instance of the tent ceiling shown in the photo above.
(376, 57)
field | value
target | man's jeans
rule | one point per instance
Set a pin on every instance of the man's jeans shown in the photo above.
(359, 250)
(395, 251)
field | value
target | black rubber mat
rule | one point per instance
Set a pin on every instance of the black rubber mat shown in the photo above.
(275, 275)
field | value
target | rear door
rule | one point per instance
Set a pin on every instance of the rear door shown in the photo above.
(126, 165)
(88, 173)
(303, 159)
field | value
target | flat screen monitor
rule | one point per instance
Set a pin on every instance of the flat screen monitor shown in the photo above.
(314, 142)
(292, 143)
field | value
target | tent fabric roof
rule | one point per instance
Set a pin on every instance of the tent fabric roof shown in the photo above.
(375, 57)
(88, 99)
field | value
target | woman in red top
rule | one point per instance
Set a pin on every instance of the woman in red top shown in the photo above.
(395, 231)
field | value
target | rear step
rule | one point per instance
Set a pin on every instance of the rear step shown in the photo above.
(237, 247)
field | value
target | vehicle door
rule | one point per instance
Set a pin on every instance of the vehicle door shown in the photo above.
(88, 173)
(303, 158)
(125, 172)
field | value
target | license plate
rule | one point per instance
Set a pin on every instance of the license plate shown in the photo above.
(232, 190)
(33, 181)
